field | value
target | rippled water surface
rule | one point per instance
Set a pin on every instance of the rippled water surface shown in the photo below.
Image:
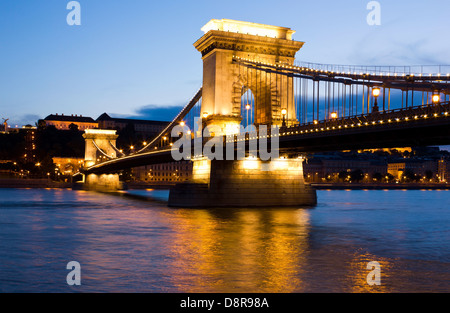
(127, 245)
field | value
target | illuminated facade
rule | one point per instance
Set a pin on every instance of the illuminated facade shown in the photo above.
(63, 122)
(169, 173)
(397, 169)
(68, 166)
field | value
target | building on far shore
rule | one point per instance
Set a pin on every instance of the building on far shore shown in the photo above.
(328, 167)
(68, 166)
(419, 167)
(168, 173)
(444, 170)
(146, 128)
(30, 143)
(62, 122)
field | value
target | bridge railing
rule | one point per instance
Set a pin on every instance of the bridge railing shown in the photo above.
(423, 70)
(375, 118)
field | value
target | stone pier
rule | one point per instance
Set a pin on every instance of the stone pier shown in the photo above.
(103, 182)
(100, 143)
(245, 183)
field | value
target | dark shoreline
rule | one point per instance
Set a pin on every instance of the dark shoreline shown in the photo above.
(45, 183)
(362, 186)
(33, 183)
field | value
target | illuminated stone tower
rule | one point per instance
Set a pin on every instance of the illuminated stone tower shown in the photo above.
(100, 142)
(97, 139)
(223, 81)
(248, 182)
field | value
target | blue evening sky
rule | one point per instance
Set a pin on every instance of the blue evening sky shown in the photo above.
(129, 57)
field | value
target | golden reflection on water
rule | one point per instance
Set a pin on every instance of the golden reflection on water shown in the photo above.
(358, 273)
(228, 250)
(241, 251)
(126, 245)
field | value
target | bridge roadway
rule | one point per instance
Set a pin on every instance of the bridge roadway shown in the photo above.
(418, 126)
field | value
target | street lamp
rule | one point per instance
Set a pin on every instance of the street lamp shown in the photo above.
(284, 113)
(376, 93)
(334, 115)
(247, 107)
(436, 98)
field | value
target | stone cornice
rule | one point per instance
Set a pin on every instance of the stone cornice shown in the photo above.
(246, 43)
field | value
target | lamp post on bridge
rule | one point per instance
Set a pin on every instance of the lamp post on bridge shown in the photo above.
(284, 113)
(436, 98)
(376, 93)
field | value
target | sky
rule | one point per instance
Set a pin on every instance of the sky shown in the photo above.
(131, 58)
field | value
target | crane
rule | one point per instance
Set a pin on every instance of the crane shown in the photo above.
(5, 123)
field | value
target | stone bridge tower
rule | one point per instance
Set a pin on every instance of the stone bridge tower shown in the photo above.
(100, 143)
(223, 81)
(96, 139)
(248, 182)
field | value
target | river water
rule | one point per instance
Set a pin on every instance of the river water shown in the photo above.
(128, 245)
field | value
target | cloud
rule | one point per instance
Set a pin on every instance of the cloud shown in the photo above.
(21, 120)
(156, 112)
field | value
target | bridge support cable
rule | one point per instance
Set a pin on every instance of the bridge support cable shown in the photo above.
(119, 152)
(101, 150)
(336, 88)
(175, 121)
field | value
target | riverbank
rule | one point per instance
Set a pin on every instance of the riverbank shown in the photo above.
(32, 183)
(372, 186)
(46, 183)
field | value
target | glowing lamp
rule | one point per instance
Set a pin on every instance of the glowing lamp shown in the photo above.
(376, 92)
(436, 98)
(284, 112)
(334, 115)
